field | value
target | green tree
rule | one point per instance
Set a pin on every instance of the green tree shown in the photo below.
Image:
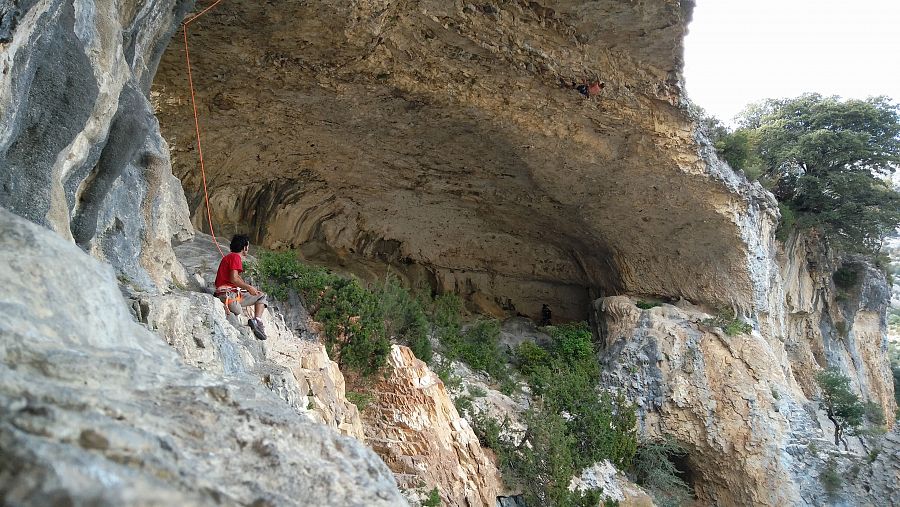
(654, 469)
(739, 149)
(843, 407)
(404, 316)
(826, 160)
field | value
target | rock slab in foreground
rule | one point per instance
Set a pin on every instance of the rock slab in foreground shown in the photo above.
(96, 410)
(414, 426)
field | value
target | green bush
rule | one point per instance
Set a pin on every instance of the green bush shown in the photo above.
(404, 317)
(654, 470)
(446, 322)
(787, 223)
(543, 468)
(477, 392)
(361, 400)
(478, 346)
(646, 305)
(433, 500)
(351, 315)
(358, 321)
(730, 324)
(570, 426)
(894, 356)
(830, 478)
(529, 357)
(846, 276)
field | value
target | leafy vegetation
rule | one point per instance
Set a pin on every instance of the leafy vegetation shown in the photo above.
(478, 346)
(894, 356)
(655, 471)
(730, 324)
(358, 321)
(433, 500)
(351, 314)
(844, 408)
(830, 478)
(405, 317)
(647, 304)
(571, 424)
(826, 161)
(361, 400)
(846, 276)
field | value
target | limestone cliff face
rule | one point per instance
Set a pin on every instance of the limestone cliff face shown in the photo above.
(414, 426)
(439, 137)
(435, 136)
(745, 406)
(824, 322)
(80, 149)
(292, 362)
(714, 393)
(96, 410)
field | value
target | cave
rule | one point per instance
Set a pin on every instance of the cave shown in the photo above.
(683, 468)
(436, 141)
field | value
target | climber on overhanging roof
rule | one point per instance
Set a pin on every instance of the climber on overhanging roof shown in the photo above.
(587, 88)
(234, 291)
(595, 88)
(591, 90)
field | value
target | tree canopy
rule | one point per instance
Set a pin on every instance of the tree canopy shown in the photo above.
(828, 162)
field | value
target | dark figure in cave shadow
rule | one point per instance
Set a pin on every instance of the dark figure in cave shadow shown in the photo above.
(545, 315)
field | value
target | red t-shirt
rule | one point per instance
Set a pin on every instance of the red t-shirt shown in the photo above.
(230, 262)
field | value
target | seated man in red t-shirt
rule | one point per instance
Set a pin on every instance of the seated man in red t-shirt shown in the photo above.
(229, 284)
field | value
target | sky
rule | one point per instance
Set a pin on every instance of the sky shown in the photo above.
(743, 51)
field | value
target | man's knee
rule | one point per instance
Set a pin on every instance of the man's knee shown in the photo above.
(253, 300)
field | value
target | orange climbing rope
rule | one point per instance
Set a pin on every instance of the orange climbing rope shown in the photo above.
(187, 55)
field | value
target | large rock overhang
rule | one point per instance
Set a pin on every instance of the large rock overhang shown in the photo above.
(435, 136)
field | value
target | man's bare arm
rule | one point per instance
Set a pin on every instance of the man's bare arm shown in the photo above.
(237, 281)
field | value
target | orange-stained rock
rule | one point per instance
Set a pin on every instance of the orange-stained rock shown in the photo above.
(415, 428)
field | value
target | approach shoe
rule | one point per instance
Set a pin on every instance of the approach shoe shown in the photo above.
(257, 326)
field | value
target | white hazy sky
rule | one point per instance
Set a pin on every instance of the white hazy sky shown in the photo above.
(742, 51)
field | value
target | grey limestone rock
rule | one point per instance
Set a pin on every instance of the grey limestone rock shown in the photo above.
(80, 149)
(96, 410)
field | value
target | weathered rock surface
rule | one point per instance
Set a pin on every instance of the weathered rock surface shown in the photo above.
(291, 362)
(615, 486)
(435, 136)
(415, 428)
(96, 410)
(80, 149)
(823, 324)
(430, 135)
(752, 433)
(715, 394)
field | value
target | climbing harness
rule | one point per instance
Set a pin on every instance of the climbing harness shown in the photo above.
(231, 297)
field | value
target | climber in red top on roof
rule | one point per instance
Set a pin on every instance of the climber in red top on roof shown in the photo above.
(234, 291)
(588, 89)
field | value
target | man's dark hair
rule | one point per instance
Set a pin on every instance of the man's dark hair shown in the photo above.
(238, 242)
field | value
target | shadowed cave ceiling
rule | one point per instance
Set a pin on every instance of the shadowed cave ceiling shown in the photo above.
(434, 137)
